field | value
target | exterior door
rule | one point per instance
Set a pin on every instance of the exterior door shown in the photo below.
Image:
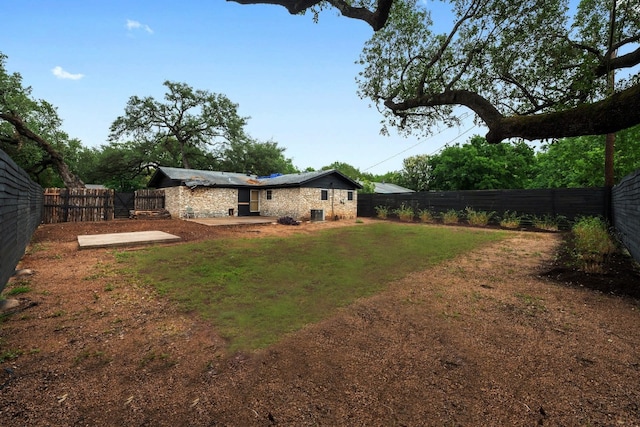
(254, 202)
(244, 199)
(248, 202)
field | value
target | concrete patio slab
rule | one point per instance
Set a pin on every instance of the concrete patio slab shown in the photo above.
(125, 239)
(234, 220)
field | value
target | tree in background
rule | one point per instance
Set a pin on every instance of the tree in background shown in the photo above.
(527, 68)
(347, 169)
(122, 167)
(255, 157)
(30, 133)
(189, 123)
(416, 172)
(577, 162)
(365, 179)
(479, 165)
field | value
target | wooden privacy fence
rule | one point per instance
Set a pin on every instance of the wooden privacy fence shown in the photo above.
(77, 204)
(566, 202)
(83, 204)
(149, 200)
(625, 204)
(20, 214)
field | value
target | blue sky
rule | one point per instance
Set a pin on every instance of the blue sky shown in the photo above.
(293, 78)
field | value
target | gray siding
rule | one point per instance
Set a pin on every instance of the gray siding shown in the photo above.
(20, 214)
(626, 212)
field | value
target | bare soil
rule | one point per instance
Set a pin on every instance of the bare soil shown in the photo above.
(496, 337)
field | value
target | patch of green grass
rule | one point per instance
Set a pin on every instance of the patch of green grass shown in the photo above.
(98, 357)
(256, 290)
(58, 313)
(9, 355)
(150, 357)
(533, 303)
(34, 248)
(22, 289)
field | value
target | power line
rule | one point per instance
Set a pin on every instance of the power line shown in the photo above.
(449, 142)
(421, 142)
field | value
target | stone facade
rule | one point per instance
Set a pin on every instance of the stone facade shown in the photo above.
(296, 202)
(299, 202)
(204, 202)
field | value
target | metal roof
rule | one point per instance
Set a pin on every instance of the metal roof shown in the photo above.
(196, 178)
(384, 188)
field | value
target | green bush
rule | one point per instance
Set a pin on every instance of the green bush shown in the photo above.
(405, 213)
(510, 220)
(478, 218)
(593, 243)
(451, 216)
(382, 212)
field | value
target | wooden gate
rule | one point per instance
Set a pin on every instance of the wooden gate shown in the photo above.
(122, 204)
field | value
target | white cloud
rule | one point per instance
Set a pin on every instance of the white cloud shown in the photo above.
(136, 25)
(62, 74)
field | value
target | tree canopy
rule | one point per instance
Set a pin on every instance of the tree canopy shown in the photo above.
(416, 172)
(478, 165)
(533, 69)
(577, 162)
(258, 158)
(187, 124)
(30, 132)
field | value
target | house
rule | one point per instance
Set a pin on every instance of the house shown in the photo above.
(385, 188)
(309, 195)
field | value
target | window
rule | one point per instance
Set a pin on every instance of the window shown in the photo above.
(349, 195)
(269, 194)
(324, 194)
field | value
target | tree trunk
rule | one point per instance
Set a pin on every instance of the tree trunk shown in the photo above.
(70, 180)
(609, 150)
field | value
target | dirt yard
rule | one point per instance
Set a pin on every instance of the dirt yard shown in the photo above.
(485, 339)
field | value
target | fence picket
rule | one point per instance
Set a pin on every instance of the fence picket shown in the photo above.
(84, 204)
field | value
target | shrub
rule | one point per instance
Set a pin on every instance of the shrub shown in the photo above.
(593, 243)
(451, 217)
(510, 220)
(405, 213)
(382, 212)
(547, 222)
(426, 216)
(478, 218)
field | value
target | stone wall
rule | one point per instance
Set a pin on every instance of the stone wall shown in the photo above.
(204, 201)
(298, 203)
(294, 202)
